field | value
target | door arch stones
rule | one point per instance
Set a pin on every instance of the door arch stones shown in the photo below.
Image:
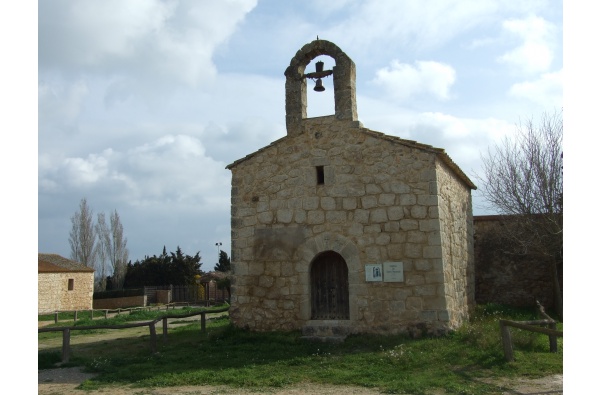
(344, 84)
(329, 245)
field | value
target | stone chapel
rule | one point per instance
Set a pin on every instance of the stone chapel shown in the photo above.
(337, 229)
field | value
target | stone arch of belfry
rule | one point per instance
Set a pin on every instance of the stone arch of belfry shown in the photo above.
(342, 245)
(344, 84)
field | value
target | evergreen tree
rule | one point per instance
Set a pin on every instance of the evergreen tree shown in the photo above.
(224, 264)
(175, 268)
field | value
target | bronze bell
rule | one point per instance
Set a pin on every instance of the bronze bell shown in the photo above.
(319, 86)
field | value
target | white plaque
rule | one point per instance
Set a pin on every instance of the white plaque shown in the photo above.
(374, 272)
(393, 272)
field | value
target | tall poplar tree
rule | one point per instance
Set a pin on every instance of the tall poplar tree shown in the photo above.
(82, 237)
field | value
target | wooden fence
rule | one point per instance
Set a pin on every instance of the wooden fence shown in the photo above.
(532, 326)
(206, 292)
(151, 326)
(106, 312)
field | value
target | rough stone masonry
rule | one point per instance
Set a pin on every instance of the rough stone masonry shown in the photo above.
(338, 229)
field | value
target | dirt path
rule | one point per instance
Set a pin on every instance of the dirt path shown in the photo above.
(65, 382)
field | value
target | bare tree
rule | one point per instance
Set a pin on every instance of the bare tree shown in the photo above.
(523, 180)
(118, 252)
(82, 237)
(113, 248)
(102, 249)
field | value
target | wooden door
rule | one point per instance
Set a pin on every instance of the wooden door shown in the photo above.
(329, 287)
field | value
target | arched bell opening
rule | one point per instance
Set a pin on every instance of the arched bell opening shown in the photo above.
(344, 81)
(329, 287)
(320, 95)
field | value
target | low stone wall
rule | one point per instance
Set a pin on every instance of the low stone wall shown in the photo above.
(119, 303)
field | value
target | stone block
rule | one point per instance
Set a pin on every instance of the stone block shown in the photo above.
(408, 199)
(382, 239)
(378, 215)
(427, 200)
(387, 199)
(285, 216)
(327, 203)
(349, 203)
(256, 269)
(361, 216)
(429, 225)
(432, 252)
(412, 250)
(414, 303)
(395, 213)
(335, 217)
(368, 202)
(315, 217)
(299, 216)
(266, 281)
(310, 203)
(409, 224)
(418, 212)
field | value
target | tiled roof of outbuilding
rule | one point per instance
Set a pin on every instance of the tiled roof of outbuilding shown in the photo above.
(54, 263)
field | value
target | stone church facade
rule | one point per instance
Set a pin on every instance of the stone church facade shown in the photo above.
(338, 229)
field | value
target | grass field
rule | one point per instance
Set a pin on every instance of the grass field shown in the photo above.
(226, 355)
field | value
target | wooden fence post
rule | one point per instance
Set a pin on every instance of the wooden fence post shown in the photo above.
(165, 329)
(75, 316)
(56, 317)
(553, 339)
(66, 345)
(106, 314)
(506, 342)
(152, 336)
(203, 322)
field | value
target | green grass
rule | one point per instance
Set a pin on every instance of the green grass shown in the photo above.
(227, 355)
(137, 315)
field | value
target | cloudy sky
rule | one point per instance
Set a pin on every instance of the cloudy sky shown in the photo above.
(142, 103)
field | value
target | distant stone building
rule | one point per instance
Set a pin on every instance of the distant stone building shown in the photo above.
(63, 284)
(338, 229)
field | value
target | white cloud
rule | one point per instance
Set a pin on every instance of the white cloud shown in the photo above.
(419, 24)
(547, 90)
(61, 103)
(535, 53)
(402, 81)
(144, 39)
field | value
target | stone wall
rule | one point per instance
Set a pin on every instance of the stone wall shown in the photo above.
(378, 203)
(456, 250)
(119, 303)
(508, 279)
(53, 292)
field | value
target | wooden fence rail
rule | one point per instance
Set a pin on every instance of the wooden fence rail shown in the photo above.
(119, 311)
(151, 326)
(532, 326)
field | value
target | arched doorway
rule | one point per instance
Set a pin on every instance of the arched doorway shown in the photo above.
(329, 287)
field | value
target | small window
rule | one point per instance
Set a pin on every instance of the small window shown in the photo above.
(320, 175)
(71, 284)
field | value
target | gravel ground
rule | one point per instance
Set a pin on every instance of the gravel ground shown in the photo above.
(65, 382)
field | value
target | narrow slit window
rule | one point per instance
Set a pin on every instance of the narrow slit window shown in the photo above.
(320, 175)
(71, 284)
